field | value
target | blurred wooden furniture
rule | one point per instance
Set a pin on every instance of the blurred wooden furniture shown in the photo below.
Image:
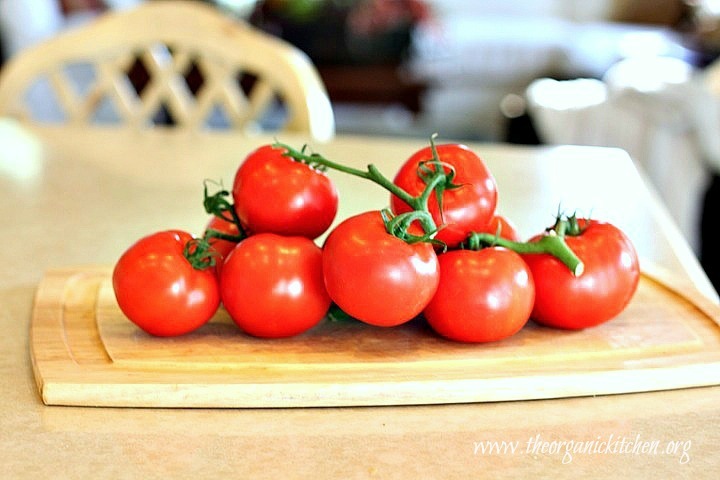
(177, 63)
(383, 84)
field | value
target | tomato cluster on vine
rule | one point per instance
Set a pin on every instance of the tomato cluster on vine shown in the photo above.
(441, 251)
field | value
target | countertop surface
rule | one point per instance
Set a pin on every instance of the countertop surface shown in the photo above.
(81, 198)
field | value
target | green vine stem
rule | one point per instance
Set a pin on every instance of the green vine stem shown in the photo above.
(397, 225)
(436, 180)
(551, 243)
(372, 173)
(427, 175)
(218, 205)
(199, 251)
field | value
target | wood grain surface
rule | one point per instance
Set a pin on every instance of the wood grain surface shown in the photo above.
(85, 352)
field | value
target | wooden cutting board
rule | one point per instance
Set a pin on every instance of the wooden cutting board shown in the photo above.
(85, 352)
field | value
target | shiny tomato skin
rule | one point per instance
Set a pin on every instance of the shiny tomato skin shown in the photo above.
(466, 209)
(376, 277)
(504, 226)
(159, 290)
(274, 194)
(272, 285)
(483, 296)
(604, 289)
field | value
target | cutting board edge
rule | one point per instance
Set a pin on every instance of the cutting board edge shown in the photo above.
(368, 394)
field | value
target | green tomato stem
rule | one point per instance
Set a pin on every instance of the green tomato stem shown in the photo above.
(219, 206)
(398, 225)
(215, 234)
(551, 243)
(438, 178)
(372, 173)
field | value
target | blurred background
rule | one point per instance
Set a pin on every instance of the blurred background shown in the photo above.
(636, 74)
(405, 67)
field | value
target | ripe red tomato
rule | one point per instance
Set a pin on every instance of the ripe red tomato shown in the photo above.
(276, 194)
(159, 290)
(483, 296)
(607, 284)
(503, 225)
(272, 285)
(465, 209)
(375, 277)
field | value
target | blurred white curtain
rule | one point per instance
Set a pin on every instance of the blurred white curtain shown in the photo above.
(25, 22)
(658, 109)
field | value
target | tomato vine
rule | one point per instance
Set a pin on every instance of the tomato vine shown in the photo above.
(397, 225)
(438, 180)
(553, 243)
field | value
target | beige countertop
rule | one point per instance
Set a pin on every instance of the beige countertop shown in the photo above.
(81, 198)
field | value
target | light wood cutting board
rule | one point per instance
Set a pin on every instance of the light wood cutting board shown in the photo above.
(85, 352)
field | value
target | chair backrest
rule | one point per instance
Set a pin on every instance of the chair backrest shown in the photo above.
(167, 63)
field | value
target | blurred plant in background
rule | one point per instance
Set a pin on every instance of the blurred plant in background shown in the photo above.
(344, 31)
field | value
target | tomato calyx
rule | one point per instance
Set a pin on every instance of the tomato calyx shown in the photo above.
(217, 204)
(200, 253)
(552, 243)
(568, 226)
(437, 177)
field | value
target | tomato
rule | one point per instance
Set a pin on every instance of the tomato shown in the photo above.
(159, 290)
(468, 208)
(272, 285)
(502, 225)
(275, 194)
(220, 246)
(376, 277)
(607, 284)
(483, 296)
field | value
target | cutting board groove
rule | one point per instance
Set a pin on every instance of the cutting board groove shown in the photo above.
(85, 352)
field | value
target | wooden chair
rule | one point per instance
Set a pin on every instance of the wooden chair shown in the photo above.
(167, 63)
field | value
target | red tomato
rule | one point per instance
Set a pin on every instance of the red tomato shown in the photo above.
(272, 285)
(221, 247)
(376, 277)
(276, 194)
(503, 225)
(466, 209)
(159, 290)
(483, 296)
(600, 293)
